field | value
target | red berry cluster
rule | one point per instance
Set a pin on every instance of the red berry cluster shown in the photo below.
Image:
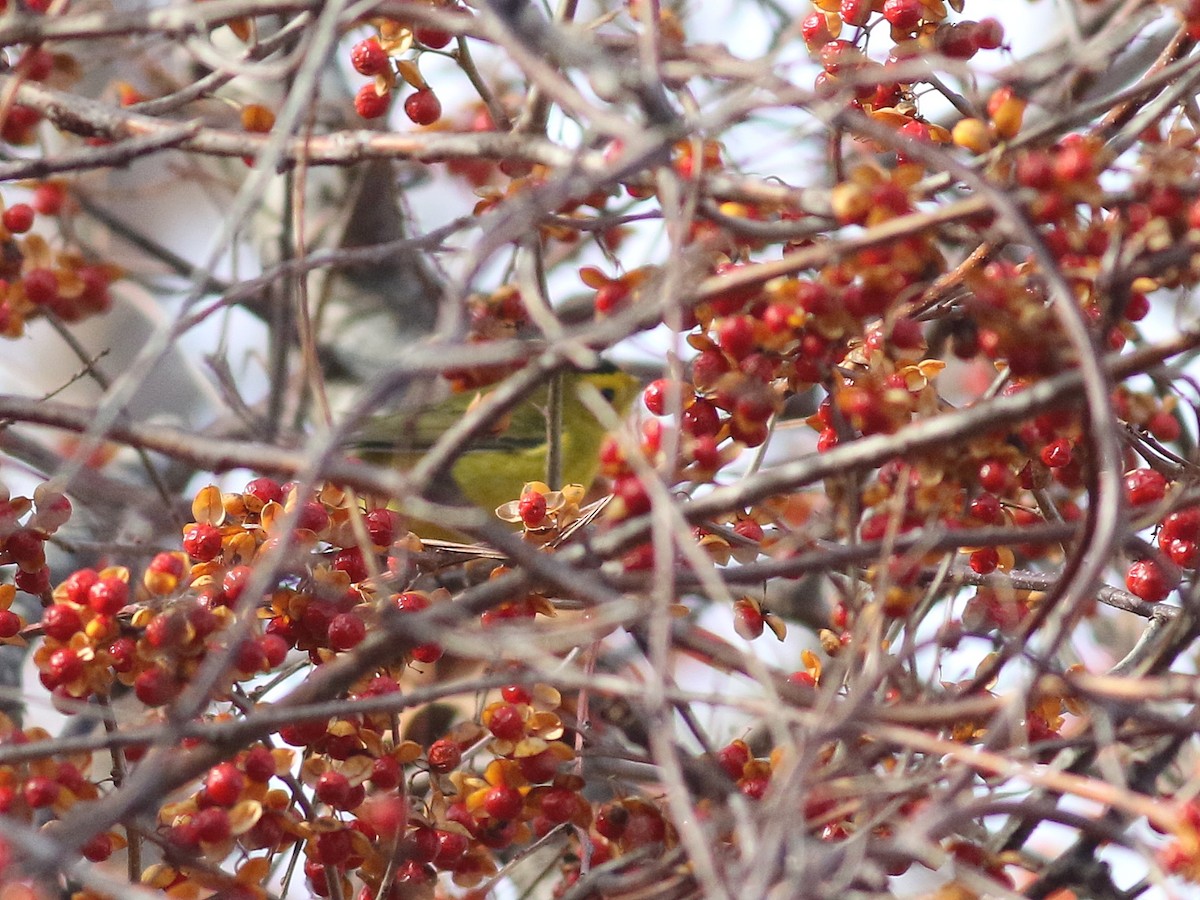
(1153, 577)
(26, 524)
(34, 63)
(367, 816)
(35, 279)
(46, 786)
(382, 57)
(1181, 855)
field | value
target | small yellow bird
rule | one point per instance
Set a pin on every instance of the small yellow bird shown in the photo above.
(495, 466)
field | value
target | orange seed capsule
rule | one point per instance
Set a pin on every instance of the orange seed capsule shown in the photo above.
(1007, 112)
(973, 135)
(257, 118)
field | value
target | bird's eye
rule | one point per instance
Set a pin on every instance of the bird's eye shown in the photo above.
(608, 394)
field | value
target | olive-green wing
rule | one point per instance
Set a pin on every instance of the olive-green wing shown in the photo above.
(415, 432)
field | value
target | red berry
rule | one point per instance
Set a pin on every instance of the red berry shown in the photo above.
(749, 529)
(38, 63)
(506, 722)
(989, 34)
(98, 848)
(1144, 487)
(167, 631)
(1182, 524)
(411, 601)
(265, 490)
(155, 687)
(274, 649)
(18, 218)
(1035, 170)
(1073, 162)
(984, 560)
(837, 55)
(41, 286)
(451, 847)
(169, 563)
(700, 419)
(748, 620)
(64, 665)
(108, 596)
(424, 844)
(611, 297)
(60, 621)
(36, 582)
(48, 198)
(657, 395)
(212, 825)
(532, 509)
(423, 107)
(907, 334)
(559, 804)
(351, 562)
(346, 631)
(1184, 553)
(312, 517)
(994, 476)
(735, 336)
(202, 542)
(381, 686)
(645, 826)
(333, 789)
(40, 791)
(233, 584)
(122, 653)
(611, 821)
(503, 802)
(18, 127)
(10, 623)
(427, 653)
(1057, 453)
(986, 508)
(385, 773)
(1149, 580)
(369, 58)
(433, 38)
(733, 758)
(370, 104)
(259, 764)
(27, 548)
(957, 41)
(855, 12)
(815, 30)
(1137, 307)
(381, 526)
(444, 756)
(756, 787)
(224, 784)
(184, 835)
(318, 881)
(250, 657)
(516, 693)
(1164, 426)
(630, 496)
(77, 585)
(334, 847)
(539, 767)
(903, 15)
